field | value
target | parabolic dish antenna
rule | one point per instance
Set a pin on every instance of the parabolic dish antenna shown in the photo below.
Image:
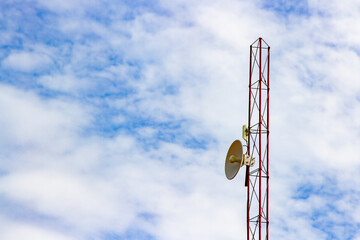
(233, 161)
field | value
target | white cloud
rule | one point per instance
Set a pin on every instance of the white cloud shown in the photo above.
(65, 83)
(19, 231)
(78, 201)
(32, 121)
(27, 61)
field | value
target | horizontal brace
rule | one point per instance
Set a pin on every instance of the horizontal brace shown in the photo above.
(253, 221)
(261, 47)
(257, 131)
(262, 89)
(258, 176)
(257, 124)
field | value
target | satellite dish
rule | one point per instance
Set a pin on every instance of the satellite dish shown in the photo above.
(234, 159)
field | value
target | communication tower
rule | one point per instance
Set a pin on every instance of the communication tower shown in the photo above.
(256, 135)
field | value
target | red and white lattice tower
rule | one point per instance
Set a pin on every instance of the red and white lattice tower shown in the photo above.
(257, 178)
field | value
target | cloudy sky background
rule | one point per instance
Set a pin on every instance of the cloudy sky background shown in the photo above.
(115, 118)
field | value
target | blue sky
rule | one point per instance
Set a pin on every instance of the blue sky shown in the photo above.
(116, 117)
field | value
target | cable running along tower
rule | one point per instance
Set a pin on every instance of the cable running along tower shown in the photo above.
(256, 136)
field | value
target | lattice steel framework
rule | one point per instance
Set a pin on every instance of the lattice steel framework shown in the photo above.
(257, 180)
